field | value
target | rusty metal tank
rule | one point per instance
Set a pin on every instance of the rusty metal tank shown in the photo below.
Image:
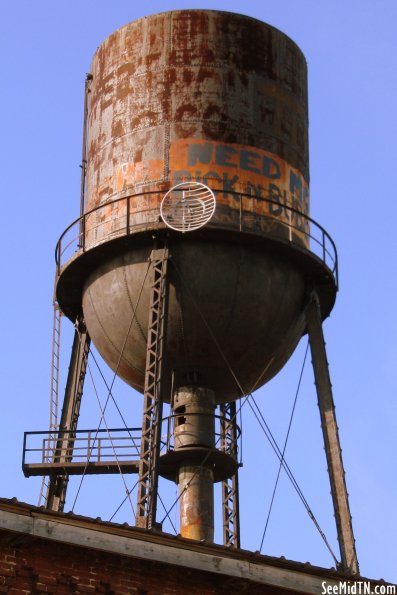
(218, 99)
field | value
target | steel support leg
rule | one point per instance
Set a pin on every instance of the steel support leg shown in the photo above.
(70, 414)
(153, 398)
(329, 426)
(230, 493)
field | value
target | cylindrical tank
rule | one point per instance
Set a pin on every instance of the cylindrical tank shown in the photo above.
(216, 98)
(210, 96)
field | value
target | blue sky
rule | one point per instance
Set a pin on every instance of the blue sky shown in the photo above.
(351, 50)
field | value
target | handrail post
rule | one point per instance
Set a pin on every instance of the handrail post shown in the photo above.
(43, 450)
(241, 212)
(168, 445)
(128, 216)
(59, 258)
(83, 232)
(88, 445)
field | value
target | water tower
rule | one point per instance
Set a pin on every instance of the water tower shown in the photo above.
(194, 266)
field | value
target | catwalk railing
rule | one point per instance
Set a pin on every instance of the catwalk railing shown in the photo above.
(272, 217)
(97, 451)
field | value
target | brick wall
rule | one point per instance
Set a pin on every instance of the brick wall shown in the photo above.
(31, 565)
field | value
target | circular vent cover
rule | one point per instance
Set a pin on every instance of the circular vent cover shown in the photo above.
(187, 206)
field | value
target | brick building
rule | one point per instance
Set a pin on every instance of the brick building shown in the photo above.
(43, 551)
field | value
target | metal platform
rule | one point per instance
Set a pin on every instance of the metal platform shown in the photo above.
(89, 452)
(112, 451)
(83, 468)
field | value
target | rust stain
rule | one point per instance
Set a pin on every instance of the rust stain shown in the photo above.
(178, 80)
(212, 110)
(185, 112)
(130, 174)
(117, 128)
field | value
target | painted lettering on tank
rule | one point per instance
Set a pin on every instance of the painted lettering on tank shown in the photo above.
(224, 155)
(276, 189)
(230, 156)
(273, 188)
(199, 153)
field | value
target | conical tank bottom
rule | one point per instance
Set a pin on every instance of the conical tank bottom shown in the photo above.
(234, 312)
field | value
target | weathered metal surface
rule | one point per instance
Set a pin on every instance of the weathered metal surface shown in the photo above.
(222, 99)
(153, 392)
(58, 483)
(230, 492)
(194, 418)
(196, 486)
(195, 427)
(222, 465)
(230, 309)
(333, 450)
(205, 95)
(66, 468)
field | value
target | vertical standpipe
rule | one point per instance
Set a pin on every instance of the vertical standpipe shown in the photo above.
(194, 431)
